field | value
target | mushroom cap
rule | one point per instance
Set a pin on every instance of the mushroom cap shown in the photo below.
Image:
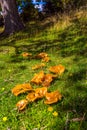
(31, 97)
(38, 93)
(37, 79)
(52, 97)
(57, 69)
(47, 80)
(42, 55)
(22, 104)
(41, 92)
(21, 88)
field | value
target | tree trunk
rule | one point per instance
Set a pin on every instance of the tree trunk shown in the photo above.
(11, 17)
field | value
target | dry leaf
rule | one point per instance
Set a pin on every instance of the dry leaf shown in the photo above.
(21, 88)
(57, 69)
(52, 97)
(22, 104)
(38, 78)
(38, 66)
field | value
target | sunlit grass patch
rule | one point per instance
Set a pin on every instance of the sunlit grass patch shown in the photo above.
(64, 45)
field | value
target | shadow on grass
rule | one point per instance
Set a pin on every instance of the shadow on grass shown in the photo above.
(81, 74)
(71, 41)
(75, 102)
(76, 109)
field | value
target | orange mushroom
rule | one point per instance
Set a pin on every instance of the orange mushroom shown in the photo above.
(38, 66)
(46, 59)
(47, 80)
(22, 104)
(21, 88)
(26, 54)
(52, 97)
(57, 69)
(38, 78)
(42, 55)
(40, 92)
(31, 97)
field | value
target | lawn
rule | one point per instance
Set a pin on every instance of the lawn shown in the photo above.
(65, 42)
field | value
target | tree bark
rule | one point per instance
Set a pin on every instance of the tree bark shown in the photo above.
(11, 17)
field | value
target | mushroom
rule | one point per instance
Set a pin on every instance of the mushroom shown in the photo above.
(38, 93)
(41, 92)
(42, 55)
(59, 69)
(47, 80)
(38, 66)
(21, 88)
(31, 97)
(22, 104)
(38, 78)
(52, 97)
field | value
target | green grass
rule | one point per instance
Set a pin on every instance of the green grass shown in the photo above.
(66, 44)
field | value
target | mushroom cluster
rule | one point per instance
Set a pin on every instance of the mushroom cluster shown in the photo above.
(44, 80)
(34, 94)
